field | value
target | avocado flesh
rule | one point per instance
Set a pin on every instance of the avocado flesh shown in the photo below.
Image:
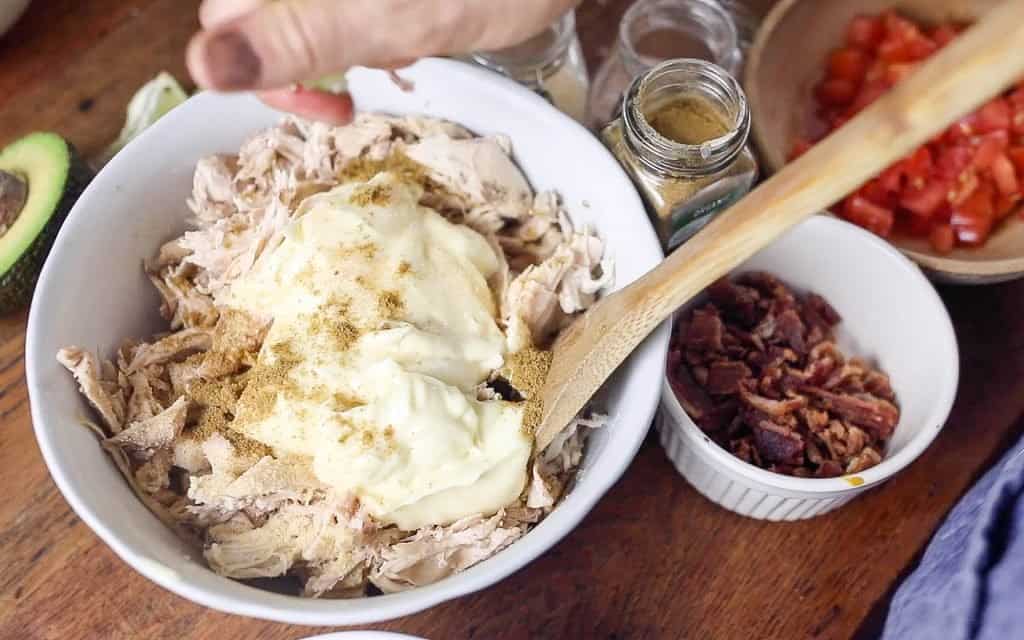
(54, 176)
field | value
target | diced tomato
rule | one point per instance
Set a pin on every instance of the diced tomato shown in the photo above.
(896, 73)
(892, 178)
(942, 238)
(1004, 175)
(870, 92)
(860, 211)
(972, 219)
(925, 201)
(920, 48)
(836, 91)
(876, 71)
(1006, 204)
(837, 120)
(996, 115)
(914, 226)
(966, 184)
(988, 147)
(943, 35)
(865, 32)
(848, 64)
(954, 188)
(918, 165)
(1016, 156)
(894, 51)
(953, 160)
(963, 128)
(800, 147)
(896, 26)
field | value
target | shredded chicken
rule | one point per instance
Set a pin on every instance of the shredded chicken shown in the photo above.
(164, 403)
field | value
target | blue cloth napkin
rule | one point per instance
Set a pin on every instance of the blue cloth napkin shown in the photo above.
(970, 582)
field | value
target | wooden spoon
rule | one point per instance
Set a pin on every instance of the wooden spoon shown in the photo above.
(979, 64)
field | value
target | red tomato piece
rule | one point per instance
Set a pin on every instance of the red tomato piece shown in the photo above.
(942, 238)
(892, 178)
(1004, 175)
(1005, 205)
(836, 91)
(800, 147)
(995, 116)
(896, 73)
(988, 147)
(875, 192)
(848, 63)
(925, 201)
(899, 27)
(894, 51)
(943, 34)
(920, 48)
(966, 185)
(918, 165)
(973, 218)
(865, 32)
(874, 218)
(869, 92)
(953, 160)
(1016, 156)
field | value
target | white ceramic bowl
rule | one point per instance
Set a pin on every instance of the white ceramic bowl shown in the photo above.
(92, 293)
(891, 315)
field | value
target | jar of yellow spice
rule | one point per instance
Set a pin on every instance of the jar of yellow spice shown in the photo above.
(682, 135)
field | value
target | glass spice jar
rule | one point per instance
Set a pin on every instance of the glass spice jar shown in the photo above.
(653, 31)
(550, 63)
(681, 135)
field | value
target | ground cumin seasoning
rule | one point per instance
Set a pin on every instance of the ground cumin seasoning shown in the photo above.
(682, 137)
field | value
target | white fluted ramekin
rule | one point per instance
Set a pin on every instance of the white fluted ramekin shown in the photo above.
(891, 316)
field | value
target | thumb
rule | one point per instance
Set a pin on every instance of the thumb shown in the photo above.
(289, 41)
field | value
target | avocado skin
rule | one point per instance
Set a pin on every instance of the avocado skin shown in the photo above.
(17, 285)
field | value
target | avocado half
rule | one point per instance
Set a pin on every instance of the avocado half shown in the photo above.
(41, 176)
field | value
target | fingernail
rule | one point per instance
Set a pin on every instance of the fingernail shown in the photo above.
(231, 61)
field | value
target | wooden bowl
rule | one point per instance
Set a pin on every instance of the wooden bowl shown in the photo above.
(785, 62)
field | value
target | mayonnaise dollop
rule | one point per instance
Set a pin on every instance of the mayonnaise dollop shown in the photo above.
(383, 326)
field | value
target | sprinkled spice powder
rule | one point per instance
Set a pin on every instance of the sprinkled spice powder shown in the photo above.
(389, 303)
(266, 381)
(404, 168)
(527, 370)
(403, 268)
(378, 194)
(217, 401)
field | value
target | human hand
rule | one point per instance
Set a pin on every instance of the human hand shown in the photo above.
(269, 46)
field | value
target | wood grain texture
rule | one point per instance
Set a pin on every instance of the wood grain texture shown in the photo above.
(972, 69)
(654, 559)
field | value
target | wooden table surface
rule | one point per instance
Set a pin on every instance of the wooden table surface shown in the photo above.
(653, 560)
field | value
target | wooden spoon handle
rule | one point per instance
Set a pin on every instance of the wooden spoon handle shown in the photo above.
(976, 66)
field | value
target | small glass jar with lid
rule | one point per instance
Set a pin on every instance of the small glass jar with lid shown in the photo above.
(550, 63)
(681, 135)
(653, 31)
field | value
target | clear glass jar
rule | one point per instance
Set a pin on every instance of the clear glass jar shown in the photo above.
(746, 16)
(705, 165)
(656, 30)
(551, 63)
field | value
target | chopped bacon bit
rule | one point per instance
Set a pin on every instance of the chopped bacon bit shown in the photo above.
(758, 369)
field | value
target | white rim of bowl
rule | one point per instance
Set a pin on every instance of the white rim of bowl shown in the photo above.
(890, 465)
(319, 612)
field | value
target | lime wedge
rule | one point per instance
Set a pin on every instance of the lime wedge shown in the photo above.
(149, 104)
(332, 84)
